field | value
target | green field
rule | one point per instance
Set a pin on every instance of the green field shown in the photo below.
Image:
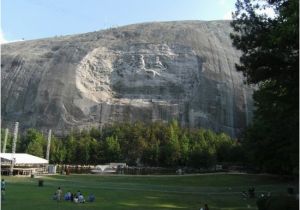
(219, 191)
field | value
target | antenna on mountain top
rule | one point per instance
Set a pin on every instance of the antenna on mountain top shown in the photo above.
(5, 140)
(13, 159)
(48, 145)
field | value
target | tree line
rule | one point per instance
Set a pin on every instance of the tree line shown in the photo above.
(155, 144)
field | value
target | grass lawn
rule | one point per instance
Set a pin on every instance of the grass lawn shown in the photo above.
(219, 191)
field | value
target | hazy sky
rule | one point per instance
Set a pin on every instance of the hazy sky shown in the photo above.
(32, 19)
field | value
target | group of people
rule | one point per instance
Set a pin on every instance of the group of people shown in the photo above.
(73, 197)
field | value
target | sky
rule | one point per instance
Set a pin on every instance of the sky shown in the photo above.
(34, 19)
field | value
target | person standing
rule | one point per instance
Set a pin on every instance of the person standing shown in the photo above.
(58, 194)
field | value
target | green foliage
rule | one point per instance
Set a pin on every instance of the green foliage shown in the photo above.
(70, 145)
(35, 148)
(95, 133)
(112, 150)
(226, 148)
(184, 149)
(94, 151)
(270, 59)
(34, 142)
(171, 149)
(154, 144)
(57, 150)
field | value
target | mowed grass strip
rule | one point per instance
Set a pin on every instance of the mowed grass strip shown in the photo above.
(219, 191)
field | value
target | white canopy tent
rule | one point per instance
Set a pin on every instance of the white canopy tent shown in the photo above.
(22, 159)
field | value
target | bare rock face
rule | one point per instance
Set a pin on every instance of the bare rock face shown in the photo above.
(145, 72)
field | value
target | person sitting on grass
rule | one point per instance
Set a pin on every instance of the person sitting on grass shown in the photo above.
(66, 197)
(76, 199)
(72, 197)
(54, 197)
(81, 198)
(91, 197)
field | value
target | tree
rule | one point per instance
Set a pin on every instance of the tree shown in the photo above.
(57, 150)
(35, 148)
(34, 142)
(185, 149)
(224, 147)
(111, 148)
(203, 149)
(171, 148)
(150, 155)
(270, 58)
(202, 155)
(70, 145)
(95, 133)
(83, 149)
(94, 151)
(136, 142)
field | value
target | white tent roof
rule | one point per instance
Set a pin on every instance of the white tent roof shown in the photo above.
(22, 158)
